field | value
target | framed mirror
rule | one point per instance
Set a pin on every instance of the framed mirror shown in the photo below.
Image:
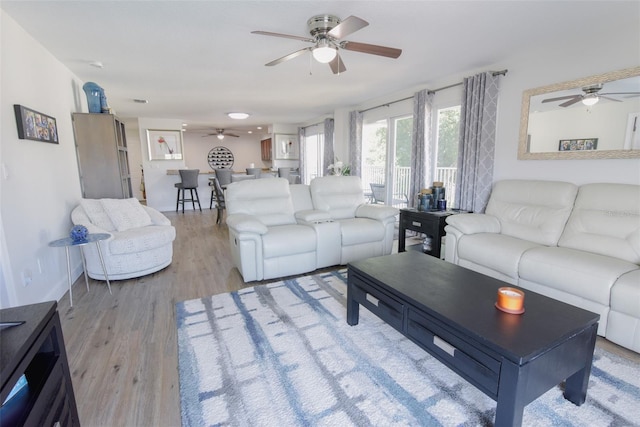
(594, 117)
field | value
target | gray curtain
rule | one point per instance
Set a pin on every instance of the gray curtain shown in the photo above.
(477, 141)
(421, 147)
(355, 142)
(301, 153)
(328, 154)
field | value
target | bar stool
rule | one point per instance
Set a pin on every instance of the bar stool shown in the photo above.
(254, 171)
(223, 176)
(189, 182)
(284, 172)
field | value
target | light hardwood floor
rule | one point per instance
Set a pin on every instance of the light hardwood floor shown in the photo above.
(122, 349)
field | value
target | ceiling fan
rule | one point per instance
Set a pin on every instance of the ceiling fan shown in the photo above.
(327, 32)
(591, 96)
(220, 134)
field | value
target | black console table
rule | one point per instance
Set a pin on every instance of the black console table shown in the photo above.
(36, 350)
(431, 223)
(449, 312)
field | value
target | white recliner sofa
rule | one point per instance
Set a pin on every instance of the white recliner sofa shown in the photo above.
(277, 229)
(141, 239)
(580, 245)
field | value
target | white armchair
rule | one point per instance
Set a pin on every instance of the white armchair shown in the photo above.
(141, 239)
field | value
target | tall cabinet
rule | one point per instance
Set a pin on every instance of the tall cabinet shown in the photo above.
(103, 161)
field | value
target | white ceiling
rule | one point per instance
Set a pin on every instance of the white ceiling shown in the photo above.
(197, 60)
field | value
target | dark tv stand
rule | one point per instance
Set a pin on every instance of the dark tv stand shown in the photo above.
(36, 350)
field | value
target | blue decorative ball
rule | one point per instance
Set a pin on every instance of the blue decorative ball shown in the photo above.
(79, 233)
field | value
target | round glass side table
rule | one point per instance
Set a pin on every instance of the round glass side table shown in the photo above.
(68, 242)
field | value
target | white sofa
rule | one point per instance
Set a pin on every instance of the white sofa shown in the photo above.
(580, 245)
(141, 239)
(277, 229)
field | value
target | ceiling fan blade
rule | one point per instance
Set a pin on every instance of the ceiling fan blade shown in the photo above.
(373, 49)
(610, 99)
(231, 134)
(571, 101)
(285, 36)
(560, 98)
(337, 66)
(348, 26)
(288, 57)
(620, 93)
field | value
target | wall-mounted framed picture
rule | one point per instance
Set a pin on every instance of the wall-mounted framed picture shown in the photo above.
(164, 144)
(286, 146)
(585, 144)
(35, 126)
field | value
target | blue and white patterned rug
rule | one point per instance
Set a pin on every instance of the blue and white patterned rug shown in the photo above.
(282, 354)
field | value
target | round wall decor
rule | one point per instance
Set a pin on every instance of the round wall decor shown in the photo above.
(220, 158)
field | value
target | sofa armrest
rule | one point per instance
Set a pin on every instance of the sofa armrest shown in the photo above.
(473, 223)
(377, 212)
(157, 217)
(244, 223)
(312, 216)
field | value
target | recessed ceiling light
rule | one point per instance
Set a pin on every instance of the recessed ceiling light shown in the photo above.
(141, 101)
(259, 127)
(238, 116)
(250, 131)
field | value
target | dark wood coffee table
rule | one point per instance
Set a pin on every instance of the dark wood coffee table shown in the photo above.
(449, 311)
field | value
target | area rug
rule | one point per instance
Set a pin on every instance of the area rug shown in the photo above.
(282, 354)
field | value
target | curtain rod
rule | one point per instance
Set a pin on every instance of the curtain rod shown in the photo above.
(494, 73)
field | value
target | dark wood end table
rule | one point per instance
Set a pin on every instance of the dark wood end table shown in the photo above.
(430, 222)
(449, 312)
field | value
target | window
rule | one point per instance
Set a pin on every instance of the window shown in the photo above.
(386, 160)
(447, 135)
(313, 147)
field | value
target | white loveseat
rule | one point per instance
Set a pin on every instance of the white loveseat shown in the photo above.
(277, 229)
(141, 239)
(580, 245)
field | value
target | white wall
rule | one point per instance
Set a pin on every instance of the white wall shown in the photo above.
(583, 57)
(39, 184)
(570, 59)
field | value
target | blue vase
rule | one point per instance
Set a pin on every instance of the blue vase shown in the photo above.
(79, 233)
(94, 96)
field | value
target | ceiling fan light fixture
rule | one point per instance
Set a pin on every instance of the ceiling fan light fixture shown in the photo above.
(324, 52)
(220, 136)
(238, 116)
(591, 99)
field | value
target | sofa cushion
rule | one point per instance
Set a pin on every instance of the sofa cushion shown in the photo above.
(97, 215)
(606, 221)
(286, 240)
(339, 195)
(126, 213)
(356, 231)
(301, 197)
(269, 200)
(532, 210)
(495, 251)
(580, 273)
(141, 239)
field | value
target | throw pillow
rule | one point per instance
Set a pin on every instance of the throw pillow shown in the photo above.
(126, 213)
(97, 215)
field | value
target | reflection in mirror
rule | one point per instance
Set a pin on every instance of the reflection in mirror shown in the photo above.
(591, 118)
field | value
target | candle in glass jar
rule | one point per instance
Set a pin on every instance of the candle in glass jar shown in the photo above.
(510, 299)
